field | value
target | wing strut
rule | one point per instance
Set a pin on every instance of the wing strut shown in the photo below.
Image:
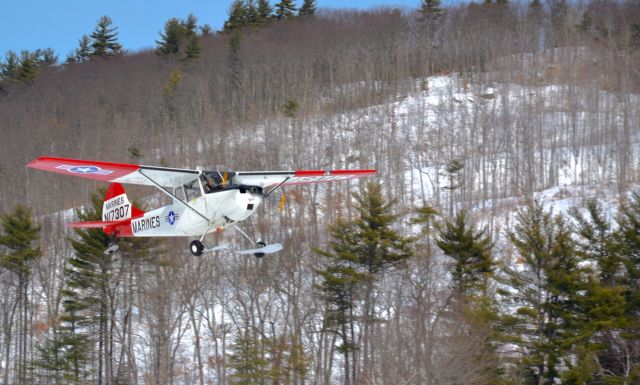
(174, 197)
(275, 188)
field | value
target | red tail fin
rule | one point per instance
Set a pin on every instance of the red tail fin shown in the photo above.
(116, 205)
(117, 212)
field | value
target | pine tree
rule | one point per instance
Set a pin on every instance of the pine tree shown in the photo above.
(82, 53)
(341, 279)
(235, 59)
(190, 26)
(105, 39)
(431, 11)
(247, 362)
(308, 8)
(193, 50)
(176, 32)
(171, 38)
(18, 254)
(251, 12)
(237, 16)
(285, 9)
(265, 11)
(46, 57)
(206, 30)
(10, 67)
(83, 339)
(361, 251)
(545, 291)
(471, 252)
(28, 67)
(628, 239)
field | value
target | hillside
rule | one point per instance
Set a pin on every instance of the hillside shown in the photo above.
(486, 111)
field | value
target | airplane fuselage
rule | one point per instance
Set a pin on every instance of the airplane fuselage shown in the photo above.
(208, 213)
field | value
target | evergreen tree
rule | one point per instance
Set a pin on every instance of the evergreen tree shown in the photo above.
(46, 57)
(247, 362)
(251, 12)
(265, 11)
(285, 9)
(379, 245)
(105, 39)
(308, 8)
(289, 364)
(25, 68)
(471, 271)
(361, 251)
(545, 291)
(193, 50)
(84, 339)
(635, 36)
(18, 254)
(82, 53)
(10, 67)
(176, 32)
(237, 16)
(628, 239)
(341, 279)
(28, 67)
(535, 19)
(235, 59)
(558, 17)
(171, 38)
(431, 11)
(191, 26)
(206, 30)
(471, 252)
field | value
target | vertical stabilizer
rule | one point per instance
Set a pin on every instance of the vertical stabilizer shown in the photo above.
(116, 206)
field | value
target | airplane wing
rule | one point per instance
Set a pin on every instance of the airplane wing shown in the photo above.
(116, 172)
(287, 178)
(173, 177)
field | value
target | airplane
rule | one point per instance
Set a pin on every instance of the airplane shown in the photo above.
(203, 201)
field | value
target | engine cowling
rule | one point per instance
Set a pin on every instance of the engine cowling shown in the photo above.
(245, 201)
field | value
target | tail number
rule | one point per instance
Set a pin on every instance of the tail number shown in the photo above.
(116, 213)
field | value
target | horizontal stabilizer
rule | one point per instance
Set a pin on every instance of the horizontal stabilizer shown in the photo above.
(93, 224)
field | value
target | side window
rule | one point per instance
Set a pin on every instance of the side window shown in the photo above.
(179, 192)
(192, 190)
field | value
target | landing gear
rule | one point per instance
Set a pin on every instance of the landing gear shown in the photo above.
(259, 245)
(196, 248)
(112, 248)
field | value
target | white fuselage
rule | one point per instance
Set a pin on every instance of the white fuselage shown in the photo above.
(221, 209)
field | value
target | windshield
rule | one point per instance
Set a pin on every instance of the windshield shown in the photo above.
(215, 181)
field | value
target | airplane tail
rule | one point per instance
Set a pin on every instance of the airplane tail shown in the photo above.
(117, 212)
(116, 206)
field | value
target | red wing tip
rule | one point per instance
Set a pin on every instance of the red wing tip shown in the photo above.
(353, 172)
(43, 159)
(309, 173)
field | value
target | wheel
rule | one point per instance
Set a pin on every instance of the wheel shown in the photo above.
(259, 245)
(196, 248)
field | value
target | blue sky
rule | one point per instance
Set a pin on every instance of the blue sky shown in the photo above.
(60, 24)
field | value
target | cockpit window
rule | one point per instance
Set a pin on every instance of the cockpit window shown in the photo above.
(214, 181)
(192, 190)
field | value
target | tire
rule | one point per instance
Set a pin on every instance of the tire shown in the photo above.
(196, 248)
(259, 244)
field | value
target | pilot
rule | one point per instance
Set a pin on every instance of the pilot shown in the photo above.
(211, 184)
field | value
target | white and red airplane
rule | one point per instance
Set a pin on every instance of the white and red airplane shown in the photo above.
(202, 201)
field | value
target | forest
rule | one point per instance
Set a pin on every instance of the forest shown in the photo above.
(499, 242)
